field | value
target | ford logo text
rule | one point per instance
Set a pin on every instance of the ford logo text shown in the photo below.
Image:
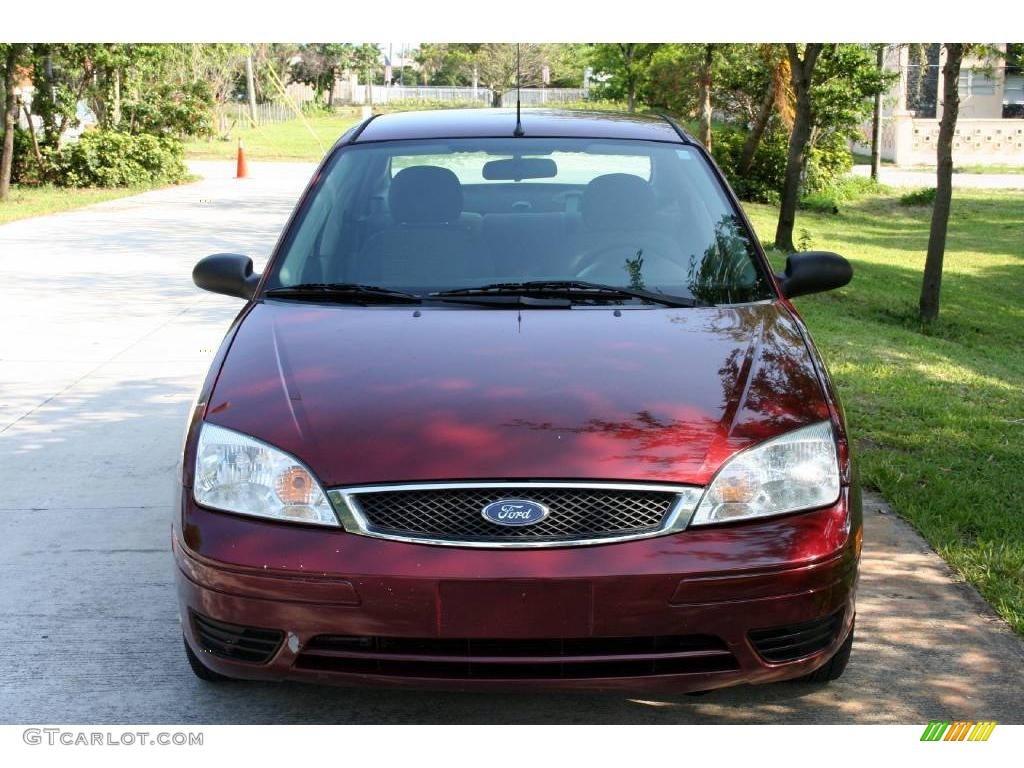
(514, 512)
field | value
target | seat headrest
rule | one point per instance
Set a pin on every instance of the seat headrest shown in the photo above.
(617, 200)
(425, 194)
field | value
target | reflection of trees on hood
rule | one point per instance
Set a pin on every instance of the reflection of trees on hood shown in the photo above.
(653, 439)
(726, 273)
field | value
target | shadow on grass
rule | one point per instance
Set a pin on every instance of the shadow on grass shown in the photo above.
(937, 409)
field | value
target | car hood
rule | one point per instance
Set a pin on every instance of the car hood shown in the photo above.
(386, 394)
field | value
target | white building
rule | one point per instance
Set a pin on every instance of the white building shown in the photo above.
(990, 126)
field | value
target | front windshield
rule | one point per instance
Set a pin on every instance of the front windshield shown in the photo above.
(440, 215)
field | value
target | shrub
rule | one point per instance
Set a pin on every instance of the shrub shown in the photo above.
(112, 159)
(24, 168)
(830, 159)
(763, 182)
(821, 202)
(316, 109)
(171, 110)
(842, 190)
(919, 197)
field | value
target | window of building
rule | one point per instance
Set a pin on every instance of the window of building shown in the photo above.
(975, 82)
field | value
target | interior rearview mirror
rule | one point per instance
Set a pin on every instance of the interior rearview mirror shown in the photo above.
(519, 168)
(227, 273)
(814, 272)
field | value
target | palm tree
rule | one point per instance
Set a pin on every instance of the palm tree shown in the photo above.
(778, 98)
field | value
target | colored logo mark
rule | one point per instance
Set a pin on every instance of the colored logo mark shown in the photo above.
(959, 730)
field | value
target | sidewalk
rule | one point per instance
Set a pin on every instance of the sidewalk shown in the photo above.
(905, 177)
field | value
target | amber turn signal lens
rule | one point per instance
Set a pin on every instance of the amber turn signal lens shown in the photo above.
(737, 490)
(295, 486)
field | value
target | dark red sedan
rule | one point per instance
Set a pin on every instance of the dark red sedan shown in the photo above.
(518, 404)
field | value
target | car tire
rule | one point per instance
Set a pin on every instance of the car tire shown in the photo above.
(199, 669)
(833, 668)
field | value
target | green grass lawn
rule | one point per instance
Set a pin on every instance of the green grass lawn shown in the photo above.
(937, 417)
(294, 140)
(39, 201)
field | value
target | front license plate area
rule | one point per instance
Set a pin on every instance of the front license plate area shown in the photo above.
(514, 609)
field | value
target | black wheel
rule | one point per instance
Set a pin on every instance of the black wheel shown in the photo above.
(833, 668)
(199, 669)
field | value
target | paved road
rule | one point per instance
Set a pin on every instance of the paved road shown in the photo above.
(905, 177)
(104, 343)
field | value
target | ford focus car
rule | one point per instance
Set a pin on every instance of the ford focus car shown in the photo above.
(517, 402)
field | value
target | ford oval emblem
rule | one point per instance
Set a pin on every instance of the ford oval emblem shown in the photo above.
(514, 512)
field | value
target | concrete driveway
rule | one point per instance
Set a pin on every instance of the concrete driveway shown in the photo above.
(104, 343)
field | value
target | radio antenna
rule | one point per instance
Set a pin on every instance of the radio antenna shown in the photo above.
(519, 80)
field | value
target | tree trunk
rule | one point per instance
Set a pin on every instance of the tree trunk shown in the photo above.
(799, 141)
(35, 142)
(876, 122)
(705, 96)
(116, 111)
(250, 87)
(932, 283)
(627, 60)
(10, 119)
(764, 114)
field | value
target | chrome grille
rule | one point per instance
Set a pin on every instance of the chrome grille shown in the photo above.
(451, 514)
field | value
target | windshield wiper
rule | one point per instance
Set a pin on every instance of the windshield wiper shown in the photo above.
(354, 292)
(572, 289)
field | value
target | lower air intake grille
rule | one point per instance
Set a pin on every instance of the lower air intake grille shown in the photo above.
(796, 640)
(231, 641)
(485, 659)
(454, 514)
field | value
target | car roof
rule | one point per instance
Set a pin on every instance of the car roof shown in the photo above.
(543, 123)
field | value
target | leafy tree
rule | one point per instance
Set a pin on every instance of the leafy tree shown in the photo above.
(932, 282)
(567, 61)
(432, 59)
(365, 60)
(62, 73)
(625, 65)
(777, 100)
(845, 83)
(669, 81)
(493, 66)
(319, 64)
(501, 66)
(833, 85)
(219, 65)
(1015, 56)
(802, 69)
(11, 55)
(706, 79)
(876, 117)
(271, 65)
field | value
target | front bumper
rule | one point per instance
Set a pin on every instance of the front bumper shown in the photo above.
(717, 584)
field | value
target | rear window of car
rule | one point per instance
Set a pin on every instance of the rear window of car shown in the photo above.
(572, 167)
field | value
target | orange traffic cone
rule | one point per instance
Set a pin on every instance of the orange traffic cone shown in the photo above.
(241, 170)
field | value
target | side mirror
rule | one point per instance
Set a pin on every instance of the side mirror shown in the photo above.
(814, 272)
(227, 273)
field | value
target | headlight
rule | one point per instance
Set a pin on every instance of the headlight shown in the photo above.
(237, 473)
(798, 470)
